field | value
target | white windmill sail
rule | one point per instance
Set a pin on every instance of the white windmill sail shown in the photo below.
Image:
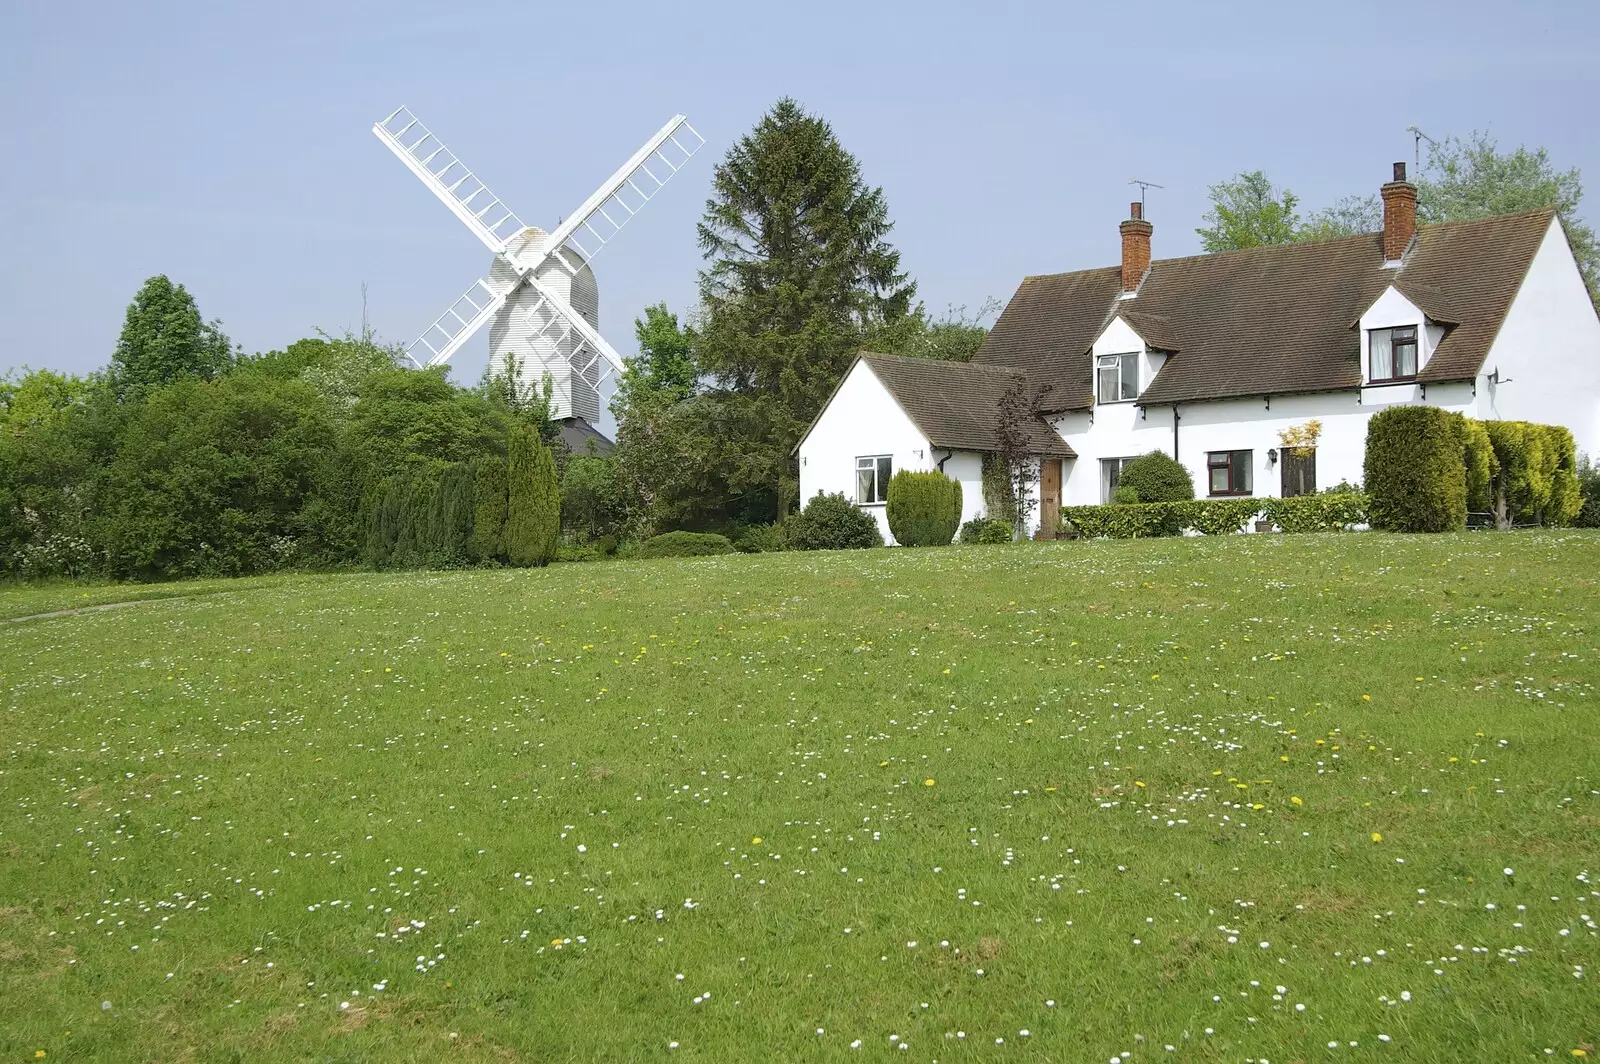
(539, 299)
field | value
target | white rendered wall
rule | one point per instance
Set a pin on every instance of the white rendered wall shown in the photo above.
(966, 469)
(1548, 350)
(862, 419)
(1390, 310)
(1120, 430)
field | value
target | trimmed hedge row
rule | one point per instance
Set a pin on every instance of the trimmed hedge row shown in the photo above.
(1330, 512)
(684, 545)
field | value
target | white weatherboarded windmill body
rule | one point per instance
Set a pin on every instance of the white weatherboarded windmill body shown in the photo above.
(539, 300)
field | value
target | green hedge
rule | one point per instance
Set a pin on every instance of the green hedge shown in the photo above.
(1329, 512)
(1415, 474)
(1157, 477)
(987, 530)
(684, 545)
(924, 509)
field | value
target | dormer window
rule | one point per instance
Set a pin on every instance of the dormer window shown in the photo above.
(1393, 355)
(1116, 378)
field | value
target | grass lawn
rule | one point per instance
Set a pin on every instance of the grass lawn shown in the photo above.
(1285, 798)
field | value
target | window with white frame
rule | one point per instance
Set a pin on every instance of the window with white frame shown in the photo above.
(1116, 378)
(1392, 354)
(872, 479)
(1111, 476)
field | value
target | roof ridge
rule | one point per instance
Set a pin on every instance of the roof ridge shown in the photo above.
(983, 366)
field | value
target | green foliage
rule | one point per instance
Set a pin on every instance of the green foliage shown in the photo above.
(684, 545)
(450, 517)
(1535, 474)
(1248, 211)
(164, 339)
(591, 505)
(666, 364)
(832, 522)
(762, 539)
(487, 543)
(533, 500)
(1124, 496)
(1414, 473)
(924, 509)
(1588, 476)
(998, 502)
(1351, 216)
(1482, 465)
(1157, 477)
(799, 272)
(1330, 512)
(954, 337)
(988, 530)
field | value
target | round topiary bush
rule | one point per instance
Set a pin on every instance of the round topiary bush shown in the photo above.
(1157, 477)
(924, 508)
(1415, 471)
(684, 545)
(832, 522)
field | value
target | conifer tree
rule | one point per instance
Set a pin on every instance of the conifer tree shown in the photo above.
(533, 500)
(487, 543)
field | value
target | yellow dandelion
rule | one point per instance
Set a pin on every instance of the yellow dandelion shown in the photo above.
(1139, 784)
(1297, 800)
(947, 672)
(1216, 772)
(1377, 836)
(1366, 698)
(928, 782)
(38, 1054)
(1453, 760)
(883, 764)
(1284, 758)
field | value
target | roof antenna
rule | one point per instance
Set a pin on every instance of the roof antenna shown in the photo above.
(1144, 186)
(1418, 136)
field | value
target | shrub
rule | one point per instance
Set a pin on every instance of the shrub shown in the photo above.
(1536, 474)
(684, 545)
(1124, 496)
(1415, 472)
(924, 509)
(533, 501)
(450, 516)
(590, 502)
(1324, 512)
(1589, 486)
(1129, 521)
(833, 522)
(987, 530)
(1157, 477)
(762, 539)
(1482, 465)
(1222, 517)
(487, 543)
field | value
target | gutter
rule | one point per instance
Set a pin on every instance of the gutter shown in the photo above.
(1175, 419)
(947, 456)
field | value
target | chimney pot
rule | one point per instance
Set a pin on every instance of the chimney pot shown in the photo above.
(1136, 210)
(1399, 214)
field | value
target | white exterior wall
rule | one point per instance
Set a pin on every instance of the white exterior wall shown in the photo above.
(965, 468)
(1390, 310)
(1548, 350)
(862, 419)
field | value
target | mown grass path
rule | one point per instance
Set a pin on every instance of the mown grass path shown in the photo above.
(1247, 798)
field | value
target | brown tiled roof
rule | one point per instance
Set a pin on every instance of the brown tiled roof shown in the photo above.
(957, 404)
(1269, 320)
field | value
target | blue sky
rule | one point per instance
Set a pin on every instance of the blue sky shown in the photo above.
(228, 146)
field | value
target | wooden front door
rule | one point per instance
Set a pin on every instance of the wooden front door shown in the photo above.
(1049, 498)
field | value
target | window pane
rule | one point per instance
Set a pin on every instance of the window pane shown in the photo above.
(1382, 355)
(863, 485)
(1130, 377)
(1241, 471)
(882, 493)
(1219, 479)
(1110, 477)
(1106, 378)
(1405, 354)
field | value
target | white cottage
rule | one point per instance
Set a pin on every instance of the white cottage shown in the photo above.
(1215, 359)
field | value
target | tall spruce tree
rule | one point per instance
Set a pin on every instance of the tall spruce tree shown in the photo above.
(800, 270)
(164, 338)
(533, 500)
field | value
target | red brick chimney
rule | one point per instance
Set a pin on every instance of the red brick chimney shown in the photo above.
(1136, 247)
(1399, 214)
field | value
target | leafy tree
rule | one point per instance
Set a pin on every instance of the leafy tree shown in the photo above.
(1351, 216)
(47, 472)
(1247, 211)
(1018, 404)
(799, 272)
(590, 505)
(954, 337)
(164, 339)
(533, 500)
(666, 362)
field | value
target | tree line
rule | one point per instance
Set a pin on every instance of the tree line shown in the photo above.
(185, 456)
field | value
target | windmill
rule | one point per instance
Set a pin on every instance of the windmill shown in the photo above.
(539, 299)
